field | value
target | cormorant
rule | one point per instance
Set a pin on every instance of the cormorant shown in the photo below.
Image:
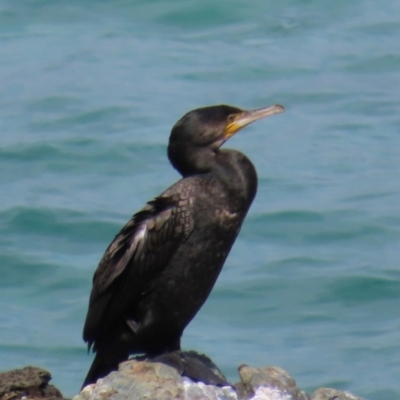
(160, 268)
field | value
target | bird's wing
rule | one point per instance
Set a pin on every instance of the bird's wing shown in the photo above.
(139, 251)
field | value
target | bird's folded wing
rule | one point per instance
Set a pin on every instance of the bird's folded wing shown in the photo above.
(139, 251)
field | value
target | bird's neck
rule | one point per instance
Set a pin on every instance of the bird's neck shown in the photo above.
(236, 174)
(231, 170)
(190, 161)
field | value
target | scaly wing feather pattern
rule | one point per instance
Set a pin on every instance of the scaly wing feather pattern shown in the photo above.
(139, 251)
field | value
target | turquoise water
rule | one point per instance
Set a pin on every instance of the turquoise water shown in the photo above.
(89, 91)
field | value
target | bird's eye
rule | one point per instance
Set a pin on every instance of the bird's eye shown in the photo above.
(231, 118)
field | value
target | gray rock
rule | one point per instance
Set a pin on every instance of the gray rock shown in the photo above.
(144, 380)
(333, 394)
(273, 378)
(137, 380)
(200, 391)
(150, 380)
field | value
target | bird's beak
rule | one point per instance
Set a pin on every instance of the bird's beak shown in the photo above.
(242, 119)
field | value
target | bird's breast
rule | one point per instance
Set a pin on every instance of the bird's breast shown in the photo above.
(227, 220)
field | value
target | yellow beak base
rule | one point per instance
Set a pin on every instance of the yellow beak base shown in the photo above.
(242, 119)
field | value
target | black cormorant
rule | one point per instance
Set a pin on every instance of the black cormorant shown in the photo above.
(159, 270)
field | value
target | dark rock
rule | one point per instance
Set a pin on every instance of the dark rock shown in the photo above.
(197, 367)
(28, 382)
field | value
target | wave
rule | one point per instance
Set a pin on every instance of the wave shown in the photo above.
(318, 227)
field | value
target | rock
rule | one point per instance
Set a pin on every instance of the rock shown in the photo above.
(137, 380)
(179, 376)
(333, 394)
(272, 378)
(197, 367)
(201, 391)
(28, 383)
(152, 380)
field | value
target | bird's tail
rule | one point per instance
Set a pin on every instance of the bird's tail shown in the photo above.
(108, 356)
(102, 365)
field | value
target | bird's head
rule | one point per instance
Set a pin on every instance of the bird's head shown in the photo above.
(205, 129)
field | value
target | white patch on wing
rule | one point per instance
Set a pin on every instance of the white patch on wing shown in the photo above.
(136, 242)
(141, 232)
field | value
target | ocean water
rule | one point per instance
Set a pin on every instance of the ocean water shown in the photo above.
(89, 92)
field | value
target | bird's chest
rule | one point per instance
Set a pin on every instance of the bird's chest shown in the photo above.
(226, 220)
(217, 214)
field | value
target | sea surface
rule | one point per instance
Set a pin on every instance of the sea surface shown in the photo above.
(89, 91)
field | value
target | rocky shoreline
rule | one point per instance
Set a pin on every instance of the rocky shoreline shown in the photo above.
(172, 378)
(27, 383)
